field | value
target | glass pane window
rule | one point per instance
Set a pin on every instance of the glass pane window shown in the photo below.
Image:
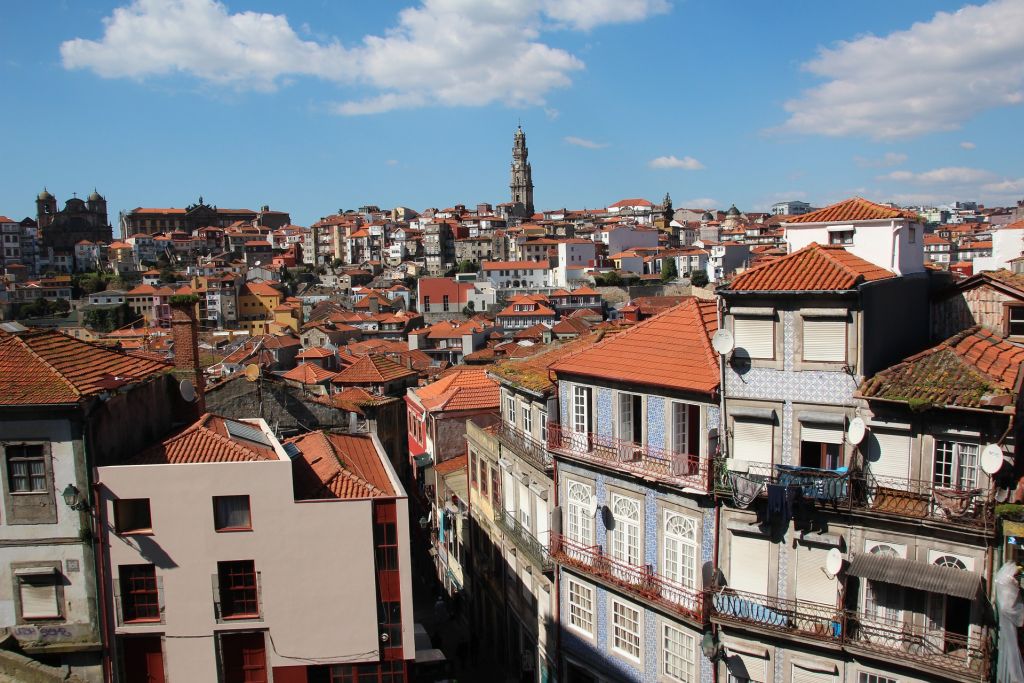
(1016, 322)
(956, 465)
(680, 558)
(231, 513)
(581, 524)
(677, 654)
(626, 629)
(238, 592)
(140, 600)
(26, 468)
(581, 606)
(626, 534)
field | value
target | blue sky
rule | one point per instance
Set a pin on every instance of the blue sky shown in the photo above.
(317, 106)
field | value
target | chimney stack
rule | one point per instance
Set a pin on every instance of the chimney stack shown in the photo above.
(185, 333)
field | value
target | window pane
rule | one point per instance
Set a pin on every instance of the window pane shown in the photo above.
(231, 512)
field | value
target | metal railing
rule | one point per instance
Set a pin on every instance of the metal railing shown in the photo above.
(523, 445)
(796, 617)
(524, 540)
(681, 469)
(939, 649)
(862, 490)
(640, 581)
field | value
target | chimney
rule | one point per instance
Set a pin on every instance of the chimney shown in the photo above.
(185, 334)
(374, 304)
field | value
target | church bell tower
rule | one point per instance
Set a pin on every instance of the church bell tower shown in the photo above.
(522, 175)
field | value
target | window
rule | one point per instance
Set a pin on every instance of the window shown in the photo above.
(631, 417)
(626, 533)
(444, 302)
(841, 237)
(866, 677)
(385, 536)
(625, 629)
(231, 513)
(824, 339)
(912, 235)
(237, 589)
(956, 465)
(1015, 321)
(510, 410)
(39, 593)
(527, 419)
(473, 464)
(544, 428)
(581, 606)
(581, 409)
(426, 304)
(140, 595)
(495, 489)
(524, 505)
(680, 557)
(677, 648)
(389, 619)
(581, 522)
(752, 440)
(484, 480)
(685, 428)
(26, 468)
(131, 515)
(883, 601)
(821, 446)
(756, 335)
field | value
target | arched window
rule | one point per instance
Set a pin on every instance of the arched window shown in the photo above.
(950, 561)
(680, 557)
(626, 532)
(580, 522)
(883, 601)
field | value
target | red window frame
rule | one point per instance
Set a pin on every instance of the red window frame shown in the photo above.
(140, 593)
(239, 593)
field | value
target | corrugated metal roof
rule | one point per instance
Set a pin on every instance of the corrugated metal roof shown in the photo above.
(920, 575)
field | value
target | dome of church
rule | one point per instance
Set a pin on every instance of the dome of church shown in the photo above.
(44, 195)
(733, 211)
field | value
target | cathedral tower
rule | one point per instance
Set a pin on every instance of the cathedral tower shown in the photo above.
(522, 175)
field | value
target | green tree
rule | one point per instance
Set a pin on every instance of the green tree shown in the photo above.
(337, 263)
(61, 306)
(610, 279)
(467, 266)
(167, 275)
(699, 278)
(92, 283)
(668, 270)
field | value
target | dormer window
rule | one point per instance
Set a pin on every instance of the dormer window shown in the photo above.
(840, 237)
(1015, 321)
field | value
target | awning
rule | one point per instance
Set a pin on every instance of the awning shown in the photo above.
(821, 418)
(422, 460)
(746, 413)
(920, 575)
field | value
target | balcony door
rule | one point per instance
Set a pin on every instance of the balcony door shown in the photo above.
(625, 537)
(949, 617)
(243, 658)
(143, 659)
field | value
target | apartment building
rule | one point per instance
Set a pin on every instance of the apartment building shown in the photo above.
(218, 541)
(634, 522)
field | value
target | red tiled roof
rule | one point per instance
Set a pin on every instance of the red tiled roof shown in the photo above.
(975, 368)
(207, 440)
(853, 209)
(464, 388)
(339, 466)
(308, 373)
(48, 367)
(532, 372)
(452, 465)
(672, 349)
(315, 352)
(813, 268)
(630, 202)
(373, 368)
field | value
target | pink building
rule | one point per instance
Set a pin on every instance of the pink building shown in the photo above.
(232, 556)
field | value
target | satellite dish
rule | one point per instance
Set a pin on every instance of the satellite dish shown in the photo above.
(188, 392)
(833, 561)
(991, 458)
(723, 342)
(252, 372)
(257, 263)
(855, 434)
(593, 506)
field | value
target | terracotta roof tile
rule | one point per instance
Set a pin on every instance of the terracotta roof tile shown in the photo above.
(813, 268)
(853, 209)
(533, 373)
(48, 367)
(208, 440)
(975, 368)
(463, 388)
(339, 466)
(452, 465)
(373, 368)
(672, 349)
(308, 373)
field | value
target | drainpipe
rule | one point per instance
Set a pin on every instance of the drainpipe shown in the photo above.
(558, 582)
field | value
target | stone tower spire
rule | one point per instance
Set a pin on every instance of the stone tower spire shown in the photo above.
(522, 175)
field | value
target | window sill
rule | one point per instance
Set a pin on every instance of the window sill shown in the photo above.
(136, 532)
(241, 617)
(233, 530)
(44, 492)
(150, 620)
(32, 620)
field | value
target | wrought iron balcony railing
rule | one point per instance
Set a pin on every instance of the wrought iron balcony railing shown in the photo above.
(650, 462)
(795, 617)
(524, 540)
(525, 447)
(862, 490)
(640, 581)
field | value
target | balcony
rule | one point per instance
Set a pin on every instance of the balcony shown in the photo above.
(645, 461)
(524, 540)
(791, 617)
(862, 491)
(950, 653)
(639, 581)
(523, 446)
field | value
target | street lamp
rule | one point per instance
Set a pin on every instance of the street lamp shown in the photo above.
(73, 498)
(711, 648)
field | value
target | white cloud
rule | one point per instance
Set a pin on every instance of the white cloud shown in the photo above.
(885, 161)
(1013, 187)
(950, 175)
(440, 52)
(391, 162)
(968, 145)
(586, 14)
(700, 203)
(897, 86)
(583, 142)
(671, 161)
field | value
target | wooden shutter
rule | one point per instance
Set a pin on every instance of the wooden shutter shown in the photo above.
(825, 339)
(752, 440)
(888, 453)
(756, 336)
(748, 564)
(820, 433)
(39, 598)
(802, 675)
(812, 584)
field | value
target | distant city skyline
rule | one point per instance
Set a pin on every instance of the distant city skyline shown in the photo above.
(337, 105)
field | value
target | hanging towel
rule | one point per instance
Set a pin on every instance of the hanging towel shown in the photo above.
(780, 503)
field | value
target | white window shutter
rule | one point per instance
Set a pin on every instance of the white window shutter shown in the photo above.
(39, 599)
(888, 454)
(819, 433)
(756, 336)
(755, 667)
(812, 584)
(802, 675)
(752, 440)
(825, 339)
(748, 564)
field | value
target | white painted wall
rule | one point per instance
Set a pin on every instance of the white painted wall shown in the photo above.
(885, 243)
